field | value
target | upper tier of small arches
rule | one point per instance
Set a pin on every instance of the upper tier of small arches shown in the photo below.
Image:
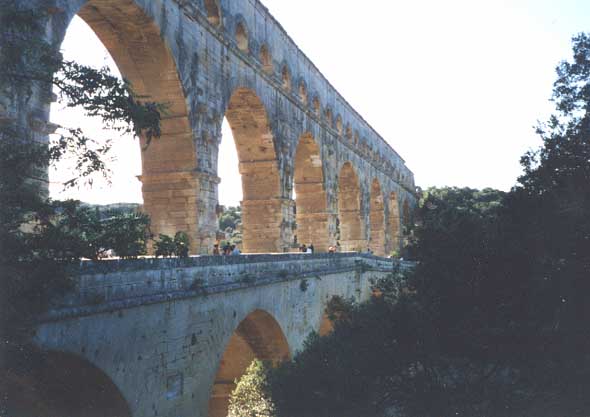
(300, 80)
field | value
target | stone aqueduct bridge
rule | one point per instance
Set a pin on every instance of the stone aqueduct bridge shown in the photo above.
(295, 135)
(168, 337)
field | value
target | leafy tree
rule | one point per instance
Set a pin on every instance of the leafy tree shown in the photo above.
(127, 234)
(167, 246)
(230, 221)
(429, 343)
(549, 214)
(182, 243)
(250, 398)
(413, 348)
(340, 373)
(230, 218)
(85, 232)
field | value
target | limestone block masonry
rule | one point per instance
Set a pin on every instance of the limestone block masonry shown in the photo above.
(294, 133)
(170, 336)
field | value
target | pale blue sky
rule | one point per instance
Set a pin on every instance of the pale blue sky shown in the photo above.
(455, 86)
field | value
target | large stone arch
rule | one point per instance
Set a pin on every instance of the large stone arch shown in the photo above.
(262, 205)
(62, 384)
(258, 336)
(154, 42)
(311, 198)
(377, 219)
(352, 226)
(169, 163)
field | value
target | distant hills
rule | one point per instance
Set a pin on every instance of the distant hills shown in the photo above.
(114, 209)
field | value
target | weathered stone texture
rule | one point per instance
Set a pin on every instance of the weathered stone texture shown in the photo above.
(210, 59)
(172, 335)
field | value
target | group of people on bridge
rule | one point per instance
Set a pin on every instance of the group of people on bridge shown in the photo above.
(226, 250)
(307, 249)
(232, 250)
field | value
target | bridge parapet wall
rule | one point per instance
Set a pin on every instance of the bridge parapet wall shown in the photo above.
(119, 284)
(173, 334)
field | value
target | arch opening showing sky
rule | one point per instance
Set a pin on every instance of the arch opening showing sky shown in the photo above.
(83, 46)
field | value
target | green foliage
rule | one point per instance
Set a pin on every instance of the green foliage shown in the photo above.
(127, 234)
(182, 242)
(79, 231)
(230, 222)
(338, 309)
(230, 218)
(549, 212)
(343, 373)
(167, 246)
(100, 94)
(250, 398)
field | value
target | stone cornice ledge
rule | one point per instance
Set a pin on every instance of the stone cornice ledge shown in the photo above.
(134, 302)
